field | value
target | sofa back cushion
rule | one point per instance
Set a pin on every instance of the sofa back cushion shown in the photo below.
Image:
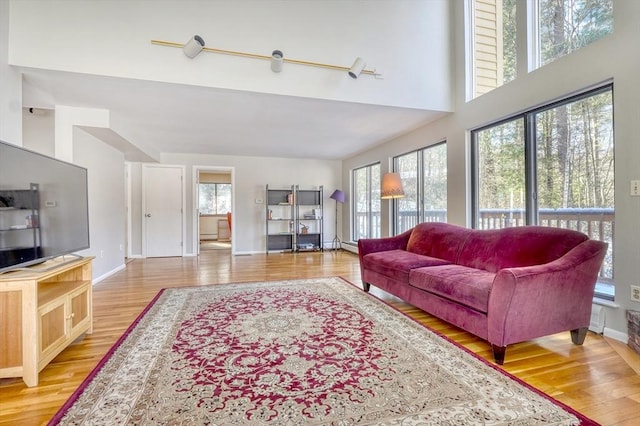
(438, 239)
(496, 249)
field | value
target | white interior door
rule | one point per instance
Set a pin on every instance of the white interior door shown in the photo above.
(162, 210)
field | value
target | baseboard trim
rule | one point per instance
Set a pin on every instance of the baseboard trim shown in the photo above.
(108, 274)
(349, 247)
(616, 335)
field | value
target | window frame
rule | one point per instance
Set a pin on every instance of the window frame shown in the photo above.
(530, 161)
(420, 189)
(371, 232)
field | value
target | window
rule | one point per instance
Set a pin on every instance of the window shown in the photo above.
(552, 166)
(494, 44)
(565, 26)
(214, 198)
(424, 179)
(558, 27)
(366, 202)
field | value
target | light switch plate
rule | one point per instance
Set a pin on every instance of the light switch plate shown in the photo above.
(634, 190)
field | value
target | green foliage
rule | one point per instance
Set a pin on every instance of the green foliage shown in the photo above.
(567, 25)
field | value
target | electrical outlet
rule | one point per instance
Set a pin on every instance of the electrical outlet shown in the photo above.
(635, 293)
(634, 189)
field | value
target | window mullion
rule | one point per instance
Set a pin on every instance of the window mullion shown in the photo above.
(530, 178)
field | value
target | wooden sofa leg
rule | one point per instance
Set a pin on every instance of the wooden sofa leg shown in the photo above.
(578, 335)
(366, 286)
(498, 353)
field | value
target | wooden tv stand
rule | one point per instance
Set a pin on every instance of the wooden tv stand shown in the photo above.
(42, 310)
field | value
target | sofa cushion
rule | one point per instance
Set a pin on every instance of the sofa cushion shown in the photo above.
(438, 239)
(468, 286)
(496, 249)
(397, 263)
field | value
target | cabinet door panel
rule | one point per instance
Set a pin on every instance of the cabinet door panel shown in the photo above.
(79, 308)
(52, 327)
(11, 330)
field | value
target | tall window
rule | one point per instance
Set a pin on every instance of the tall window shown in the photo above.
(424, 178)
(214, 198)
(560, 27)
(552, 166)
(494, 44)
(565, 26)
(366, 202)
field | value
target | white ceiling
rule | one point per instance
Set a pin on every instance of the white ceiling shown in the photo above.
(177, 118)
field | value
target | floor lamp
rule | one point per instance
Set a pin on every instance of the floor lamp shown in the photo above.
(339, 196)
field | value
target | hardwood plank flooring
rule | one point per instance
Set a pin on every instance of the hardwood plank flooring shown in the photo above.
(597, 379)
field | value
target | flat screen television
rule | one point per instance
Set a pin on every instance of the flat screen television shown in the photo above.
(44, 210)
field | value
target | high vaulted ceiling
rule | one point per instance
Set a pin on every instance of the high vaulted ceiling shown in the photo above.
(99, 55)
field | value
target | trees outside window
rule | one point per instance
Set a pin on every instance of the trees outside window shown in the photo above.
(366, 202)
(214, 198)
(565, 26)
(559, 28)
(424, 179)
(552, 166)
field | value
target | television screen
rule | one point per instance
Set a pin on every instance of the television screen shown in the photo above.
(44, 209)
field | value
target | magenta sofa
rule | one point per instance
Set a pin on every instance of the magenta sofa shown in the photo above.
(505, 285)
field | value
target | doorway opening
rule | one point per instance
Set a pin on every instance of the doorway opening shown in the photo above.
(214, 201)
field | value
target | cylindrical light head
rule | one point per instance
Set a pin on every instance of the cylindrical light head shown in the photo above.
(391, 186)
(193, 46)
(277, 58)
(357, 68)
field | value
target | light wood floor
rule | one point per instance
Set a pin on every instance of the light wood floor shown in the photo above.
(600, 379)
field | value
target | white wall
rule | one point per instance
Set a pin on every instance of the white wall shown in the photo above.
(406, 40)
(38, 131)
(613, 57)
(252, 174)
(105, 167)
(10, 87)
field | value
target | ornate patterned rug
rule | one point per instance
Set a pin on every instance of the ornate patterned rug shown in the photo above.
(314, 351)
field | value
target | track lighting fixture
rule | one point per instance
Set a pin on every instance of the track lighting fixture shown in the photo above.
(277, 58)
(196, 44)
(193, 47)
(356, 68)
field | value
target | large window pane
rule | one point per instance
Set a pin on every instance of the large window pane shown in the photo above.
(407, 206)
(501, 176)
(424, 179)
(575, 169)
(567, 25)
(434, 166)
(567, 181)
(366, 202)
(494, 44)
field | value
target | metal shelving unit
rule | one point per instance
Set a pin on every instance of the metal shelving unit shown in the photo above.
(294, 219)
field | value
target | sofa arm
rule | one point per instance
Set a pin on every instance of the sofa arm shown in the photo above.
(535, 301)
(373, 245)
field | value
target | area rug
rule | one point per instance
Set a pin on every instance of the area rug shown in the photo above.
(314, 351)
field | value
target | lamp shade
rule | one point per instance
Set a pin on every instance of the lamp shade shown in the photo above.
(338, 195)
(391, 186)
